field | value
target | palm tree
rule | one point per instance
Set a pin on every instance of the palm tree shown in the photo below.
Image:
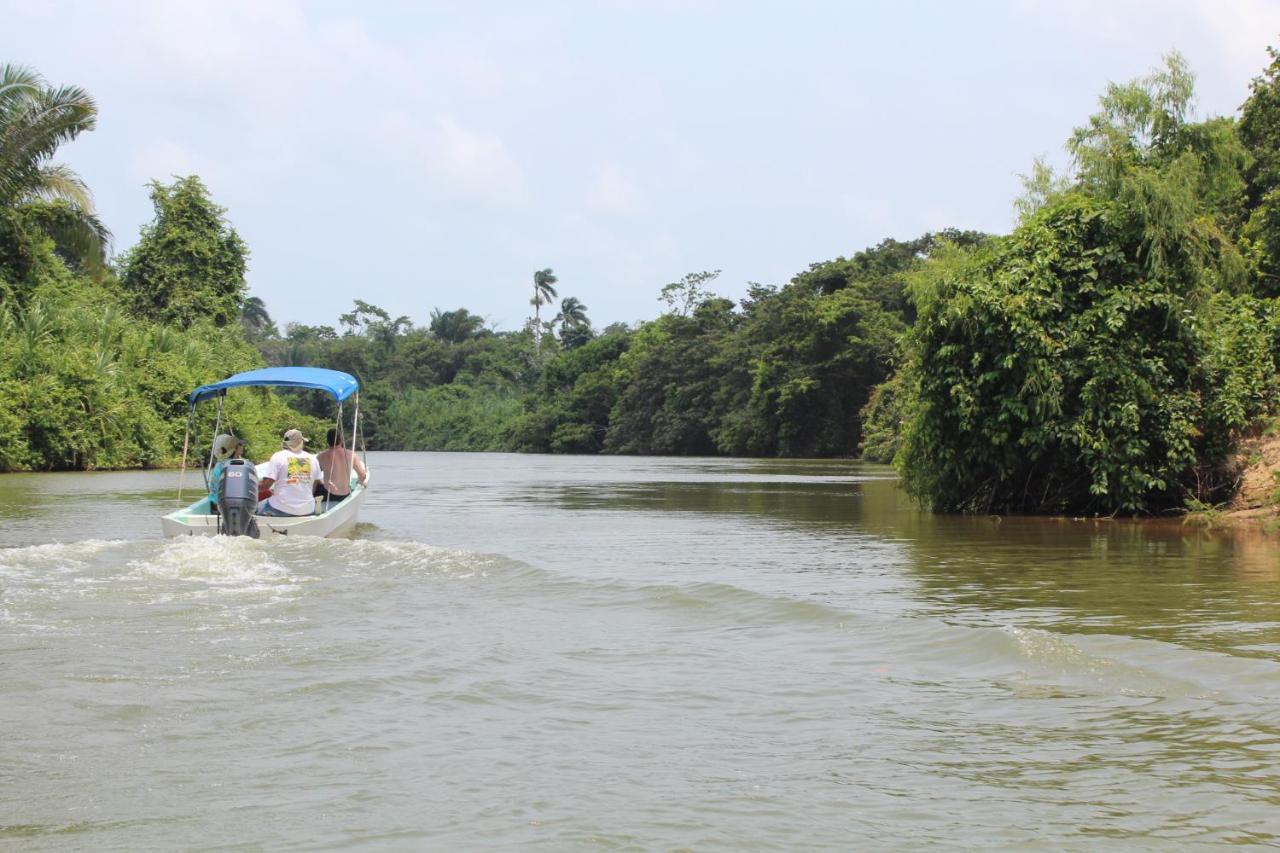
(572, 314)
(256, 321)
(455, 326)
(575, 328)
(543, 293)
(34, 120)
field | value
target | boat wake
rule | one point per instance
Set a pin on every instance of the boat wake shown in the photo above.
(36, 581)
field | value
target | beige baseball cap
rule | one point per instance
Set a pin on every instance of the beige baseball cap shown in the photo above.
(224, 444)
(294, 439)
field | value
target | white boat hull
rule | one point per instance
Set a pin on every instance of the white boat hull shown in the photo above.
(340, 520)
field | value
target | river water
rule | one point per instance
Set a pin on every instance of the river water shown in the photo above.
(572, 653)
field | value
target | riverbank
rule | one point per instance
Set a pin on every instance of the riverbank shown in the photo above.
(1255, 503)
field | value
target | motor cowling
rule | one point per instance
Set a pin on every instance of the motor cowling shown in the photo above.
(238, 498)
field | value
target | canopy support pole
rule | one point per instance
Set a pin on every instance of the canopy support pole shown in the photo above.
(186, 443)
(217, 426)
(356, 437)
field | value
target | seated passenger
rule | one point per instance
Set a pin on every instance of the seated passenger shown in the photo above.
(225, 448)
(336, 463)
(291, 474)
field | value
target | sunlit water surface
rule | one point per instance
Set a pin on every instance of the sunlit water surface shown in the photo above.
(612, 653)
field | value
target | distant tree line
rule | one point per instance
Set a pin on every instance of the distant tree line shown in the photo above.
(787, 372)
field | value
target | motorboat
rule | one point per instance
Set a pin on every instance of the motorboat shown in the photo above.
(238, 515)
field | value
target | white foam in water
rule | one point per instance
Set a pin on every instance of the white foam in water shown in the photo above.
(240, 564)
(409, 556)
(1136, 667)
(53, 556)
(228, 560)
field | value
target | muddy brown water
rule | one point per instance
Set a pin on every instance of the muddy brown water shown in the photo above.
(570, 653)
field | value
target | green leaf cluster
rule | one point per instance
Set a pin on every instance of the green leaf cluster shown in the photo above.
(189, 265)
(1056, 371)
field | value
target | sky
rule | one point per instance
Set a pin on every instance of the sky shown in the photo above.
(423, 155)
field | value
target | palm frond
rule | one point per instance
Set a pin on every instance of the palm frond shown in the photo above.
(18, 82)
(35, 329)
(32, 126)
(195, 354)
(105, 367)
(162, 339)
(59, 183)
(78, 234)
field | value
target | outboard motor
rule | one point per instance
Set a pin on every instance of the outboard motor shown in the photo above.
(238, 499)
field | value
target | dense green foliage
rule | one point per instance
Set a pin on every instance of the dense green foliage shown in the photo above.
(1260, 134)
(1106, 355)
(1054, 372)
(83, 384)
(190, 264)
(91, 374)
(787, 372)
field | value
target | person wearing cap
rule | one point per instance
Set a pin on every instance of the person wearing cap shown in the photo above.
(225, 448)
(337, 463)
(290, 476)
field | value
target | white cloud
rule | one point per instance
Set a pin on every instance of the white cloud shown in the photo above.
(1225, 40)
(472, 165)
(613, 193)
(1242, 30)
(162, 159)
(475, 164)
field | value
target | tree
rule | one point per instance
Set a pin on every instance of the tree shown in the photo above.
(300, 345)
(1260, 130)
(190, 263)
(810, 363)
(362, 317)
(543, 293)
(688, 293)
(575, 328)
(1054, 372)
(1103, 357)
(572, 313)
(380, 334)
(35, 119)
(1181, 182)
(1037, 188)
(883, 268)
(1260, 133)
(255, 320)
(673, 375)
(455, 326)
(570, 413)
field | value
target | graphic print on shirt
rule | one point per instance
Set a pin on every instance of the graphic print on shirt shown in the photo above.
(299, 470)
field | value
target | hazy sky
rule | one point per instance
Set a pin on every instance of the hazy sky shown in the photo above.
(420, 155)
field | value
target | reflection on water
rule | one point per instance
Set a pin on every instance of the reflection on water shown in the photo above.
(630, 653)
(1159, 579)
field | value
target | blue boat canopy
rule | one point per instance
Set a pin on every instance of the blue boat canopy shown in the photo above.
(340, 385)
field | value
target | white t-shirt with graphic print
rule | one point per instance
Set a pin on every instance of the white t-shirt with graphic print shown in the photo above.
(295, 475)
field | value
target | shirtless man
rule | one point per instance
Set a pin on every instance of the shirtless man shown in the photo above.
(337, 463)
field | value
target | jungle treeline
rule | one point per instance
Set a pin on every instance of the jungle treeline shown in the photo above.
(1105, 356)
